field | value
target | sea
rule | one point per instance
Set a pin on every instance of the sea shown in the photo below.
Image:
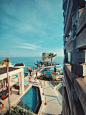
(30, 61)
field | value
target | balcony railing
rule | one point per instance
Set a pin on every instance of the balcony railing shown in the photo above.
(78, 42)
(70, 98)
(79, 85)
(75, 16)
(68, 16)
(82, 20)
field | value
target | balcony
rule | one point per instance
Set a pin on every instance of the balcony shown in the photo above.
(70, 47)
(82, 20)
(75, 16)
(68, 20)
(65, 103)
(70, 98)
(79, 85)
(77, 43)
(80, 41)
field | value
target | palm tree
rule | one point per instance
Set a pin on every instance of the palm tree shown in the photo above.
(6, 62)
(51, 56)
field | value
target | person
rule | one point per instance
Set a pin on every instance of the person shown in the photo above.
(36, 74)
(55, 70)
(30, 71)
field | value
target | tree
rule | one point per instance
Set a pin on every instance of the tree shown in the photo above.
(51, 56)
(6, 62)
(19, 111)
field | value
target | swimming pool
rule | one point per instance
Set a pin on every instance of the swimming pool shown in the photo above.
(29, 100)
(25, 74)
(49, 71)
(46, 72)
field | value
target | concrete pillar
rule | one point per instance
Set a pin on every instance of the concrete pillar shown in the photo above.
(19, 83)
(65, 39)
(65, 57)
(22, 81)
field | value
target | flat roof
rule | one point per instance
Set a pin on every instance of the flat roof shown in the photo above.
(4, 70)
(19, 64)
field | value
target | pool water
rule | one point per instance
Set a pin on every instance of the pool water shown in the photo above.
(46, 72)
(49, 72)
(29, 100)
(25, 74)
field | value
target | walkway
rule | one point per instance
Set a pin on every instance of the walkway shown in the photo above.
(53, 106)
(47, 67)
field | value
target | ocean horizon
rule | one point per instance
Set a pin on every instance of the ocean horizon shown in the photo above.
(29, 61)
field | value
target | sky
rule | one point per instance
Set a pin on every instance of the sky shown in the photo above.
(29, 28)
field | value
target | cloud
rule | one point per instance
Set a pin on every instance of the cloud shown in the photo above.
(1, 51)
(31, 24)
(29, 46)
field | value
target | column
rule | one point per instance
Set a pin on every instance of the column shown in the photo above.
(19, 83)
(22, 81)
(65, 57)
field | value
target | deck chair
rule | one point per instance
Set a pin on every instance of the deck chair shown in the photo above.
(5, 95)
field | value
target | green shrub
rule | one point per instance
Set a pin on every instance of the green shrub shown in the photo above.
(38, 77)
(54, 82)
(1, 62)
(18, 111)
(45, 77)
(61, 73)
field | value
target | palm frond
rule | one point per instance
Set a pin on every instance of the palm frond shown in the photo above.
(6, 61)
(51, 55)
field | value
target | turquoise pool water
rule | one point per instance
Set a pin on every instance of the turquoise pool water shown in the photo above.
(25, 74)
(29, 100)
(49, 72)
(46, 72)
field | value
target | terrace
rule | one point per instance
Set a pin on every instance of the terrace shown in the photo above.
(18, 93)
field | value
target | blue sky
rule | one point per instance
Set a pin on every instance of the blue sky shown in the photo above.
(30, 27)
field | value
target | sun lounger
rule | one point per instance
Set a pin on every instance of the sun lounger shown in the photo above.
(4, 96)
(57, 79)
(26, 83)
(1, 107)
(3, 92)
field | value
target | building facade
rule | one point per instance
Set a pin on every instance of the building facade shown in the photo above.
(74, 84)
(46, 55)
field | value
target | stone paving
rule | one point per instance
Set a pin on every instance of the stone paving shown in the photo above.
(53, 106)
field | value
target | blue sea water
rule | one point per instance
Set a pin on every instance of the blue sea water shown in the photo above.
(29, 61)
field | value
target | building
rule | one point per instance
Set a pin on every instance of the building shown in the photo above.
(19, 65)
(12, 71)
(46, 55)
(74, 85)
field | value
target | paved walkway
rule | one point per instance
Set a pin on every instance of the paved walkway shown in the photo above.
(53, 106)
